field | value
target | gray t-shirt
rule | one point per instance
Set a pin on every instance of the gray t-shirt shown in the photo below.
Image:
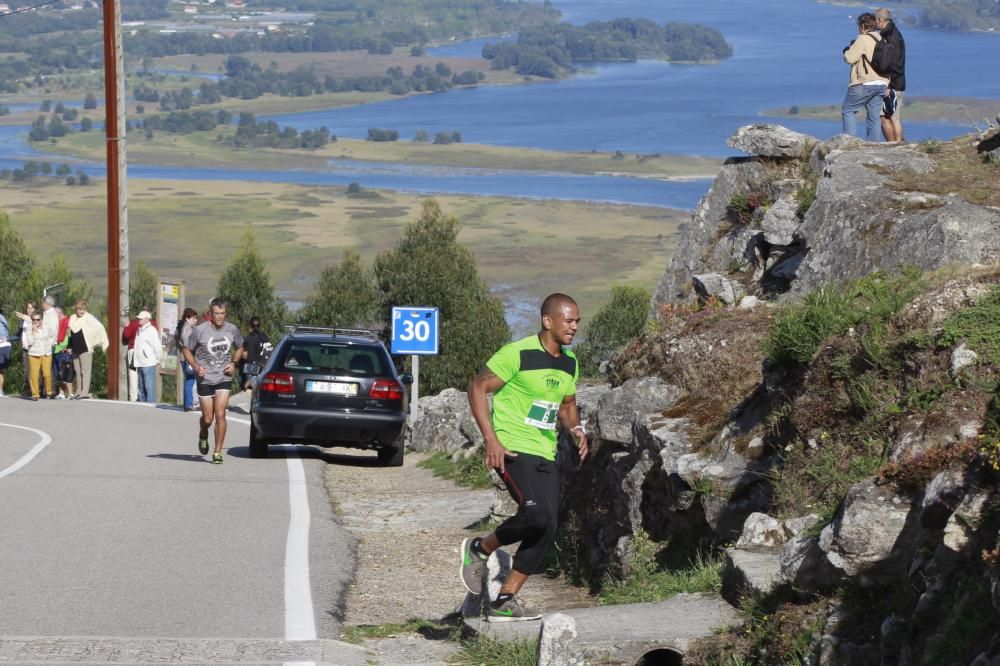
(213, 349)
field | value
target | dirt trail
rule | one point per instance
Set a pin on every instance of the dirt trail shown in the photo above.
(410, 525)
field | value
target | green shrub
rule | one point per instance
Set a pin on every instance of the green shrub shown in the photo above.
(615, 324)
(865, 305)
(978, 326)
(805, 196)
(647, 581)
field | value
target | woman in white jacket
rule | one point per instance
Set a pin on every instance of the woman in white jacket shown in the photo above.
(86, 333)
(37, 341)
(148, 352)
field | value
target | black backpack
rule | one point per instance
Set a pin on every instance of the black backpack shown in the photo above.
(883, 59)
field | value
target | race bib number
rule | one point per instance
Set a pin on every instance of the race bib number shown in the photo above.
(543, 414)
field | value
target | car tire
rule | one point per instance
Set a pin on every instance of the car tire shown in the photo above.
(391, 455)
(258, 445)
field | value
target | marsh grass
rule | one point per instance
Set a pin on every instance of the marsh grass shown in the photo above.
(300, 229)
(203, 148)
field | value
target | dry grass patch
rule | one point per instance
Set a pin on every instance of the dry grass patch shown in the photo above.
(958, 169)
(713, 355)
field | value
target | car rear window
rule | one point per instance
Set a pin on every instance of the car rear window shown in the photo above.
(334, 358)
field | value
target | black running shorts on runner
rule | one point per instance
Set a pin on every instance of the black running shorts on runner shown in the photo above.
(209, 390)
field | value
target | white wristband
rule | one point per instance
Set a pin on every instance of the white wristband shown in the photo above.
(580, 428)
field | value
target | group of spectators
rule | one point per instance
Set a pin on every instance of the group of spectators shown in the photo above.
(57, 350)
(877, 57)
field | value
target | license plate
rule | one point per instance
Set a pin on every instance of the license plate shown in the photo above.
(336, 388)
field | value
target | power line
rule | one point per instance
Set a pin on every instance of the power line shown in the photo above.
(28, 9)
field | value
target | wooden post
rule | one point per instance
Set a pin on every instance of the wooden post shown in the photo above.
(118, 255)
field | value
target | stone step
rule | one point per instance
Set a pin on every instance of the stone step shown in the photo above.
(116, 650)
(625, 633)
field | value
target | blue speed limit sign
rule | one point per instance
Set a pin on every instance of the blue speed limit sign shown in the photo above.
(414, 331)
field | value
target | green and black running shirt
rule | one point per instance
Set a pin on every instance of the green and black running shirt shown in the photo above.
(526, 409)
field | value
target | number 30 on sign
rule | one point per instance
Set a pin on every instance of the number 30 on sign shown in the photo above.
(414, 330)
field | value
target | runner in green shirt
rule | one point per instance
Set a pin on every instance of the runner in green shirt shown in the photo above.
(533, 382)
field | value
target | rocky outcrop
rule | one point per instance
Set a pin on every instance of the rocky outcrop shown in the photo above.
(799, 213)
(696, 429)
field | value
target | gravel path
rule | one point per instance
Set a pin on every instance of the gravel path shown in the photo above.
(410, 525)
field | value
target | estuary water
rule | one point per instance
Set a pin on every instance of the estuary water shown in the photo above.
(786, 52)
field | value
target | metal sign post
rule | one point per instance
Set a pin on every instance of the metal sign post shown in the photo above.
(415, 333)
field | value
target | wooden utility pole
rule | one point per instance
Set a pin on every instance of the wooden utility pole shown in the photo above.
(114, 123)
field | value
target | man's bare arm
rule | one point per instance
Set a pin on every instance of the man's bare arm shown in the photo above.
(569, 417)
(482, 385)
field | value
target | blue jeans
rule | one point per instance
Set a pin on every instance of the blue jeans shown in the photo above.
(863, 97)
(147, 384)
(189, 383)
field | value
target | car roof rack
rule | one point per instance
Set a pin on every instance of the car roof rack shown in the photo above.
(333, 330)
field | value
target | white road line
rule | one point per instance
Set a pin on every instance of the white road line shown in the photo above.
(46, 439)
(300, 620)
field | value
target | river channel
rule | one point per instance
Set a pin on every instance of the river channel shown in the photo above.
(786, 52)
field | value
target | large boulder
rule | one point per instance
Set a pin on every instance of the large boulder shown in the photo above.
(437, 426)
(866, 541)
(714, 285)
(781, 221)
(619, 408)
(769, 140)
(858, 224)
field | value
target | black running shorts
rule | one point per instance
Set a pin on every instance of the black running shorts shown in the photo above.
(209, 390)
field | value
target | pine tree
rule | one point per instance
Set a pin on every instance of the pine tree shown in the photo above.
(247, 288)
(345, 296)
(429, 268)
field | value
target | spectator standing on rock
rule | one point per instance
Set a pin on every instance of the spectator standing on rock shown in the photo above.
(86, 333)
(213, 349)
(867, 86)
(148, 351)
(533, 382)
(892, 126)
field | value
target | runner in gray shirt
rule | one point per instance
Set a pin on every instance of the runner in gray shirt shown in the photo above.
(213, 348)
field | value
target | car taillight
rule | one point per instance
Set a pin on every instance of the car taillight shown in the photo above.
(386, 389)
(277, 382)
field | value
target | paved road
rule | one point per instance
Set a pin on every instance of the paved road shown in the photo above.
(112, 525)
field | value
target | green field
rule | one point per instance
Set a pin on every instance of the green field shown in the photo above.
(190, 230)
(203, 149)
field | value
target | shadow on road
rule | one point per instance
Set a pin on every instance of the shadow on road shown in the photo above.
(183, 457)
(312, 453)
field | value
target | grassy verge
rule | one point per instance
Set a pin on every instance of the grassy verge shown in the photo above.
(430, 628)
(468, 471)
(964, 110)
(190, 229)
(202, 149)
(482, 651)
(473, 651)
(647, 581)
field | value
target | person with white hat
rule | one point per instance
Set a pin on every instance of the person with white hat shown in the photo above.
(148, 351)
